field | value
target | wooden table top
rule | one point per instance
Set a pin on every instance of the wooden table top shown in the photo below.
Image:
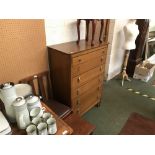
(73, 47)
(61, 125)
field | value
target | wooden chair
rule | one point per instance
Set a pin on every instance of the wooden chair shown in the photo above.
(42, 87)
(103, 22)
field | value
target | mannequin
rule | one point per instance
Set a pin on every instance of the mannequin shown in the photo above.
(131, 32)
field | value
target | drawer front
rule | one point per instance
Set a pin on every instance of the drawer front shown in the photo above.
(86, 101)
(86, 57)
(97, 81)
(85, 77)
(84, 67)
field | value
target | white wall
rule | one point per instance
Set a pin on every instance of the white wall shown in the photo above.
(59, 31)
(110, 40)
(152, 25)
(116, 53)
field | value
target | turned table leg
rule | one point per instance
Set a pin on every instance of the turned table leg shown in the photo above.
(78, 29)
(101, 31)
(87, 29)
(93, 31)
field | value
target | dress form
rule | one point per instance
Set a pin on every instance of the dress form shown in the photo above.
(131, 32)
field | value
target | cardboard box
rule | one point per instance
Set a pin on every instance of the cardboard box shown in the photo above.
(144, 72)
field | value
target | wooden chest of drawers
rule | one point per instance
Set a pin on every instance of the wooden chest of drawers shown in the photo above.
(77, 73)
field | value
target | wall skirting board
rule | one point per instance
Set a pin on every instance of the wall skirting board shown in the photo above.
(113, 74)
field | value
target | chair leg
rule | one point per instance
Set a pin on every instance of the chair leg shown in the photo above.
(101, 31)
(87, 29)
(78, 30)
(93, 31)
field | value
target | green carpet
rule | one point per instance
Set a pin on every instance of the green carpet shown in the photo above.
(118, 103)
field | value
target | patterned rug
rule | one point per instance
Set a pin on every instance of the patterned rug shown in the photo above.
(142, 94)
(138, 125)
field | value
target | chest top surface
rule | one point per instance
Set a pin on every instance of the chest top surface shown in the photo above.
(73, 47)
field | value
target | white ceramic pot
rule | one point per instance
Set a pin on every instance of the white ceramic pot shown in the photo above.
(31, 130)
(36, 120)
(7, 90)
(37, 112)
(21, 112)
(46, 115)
(23, 89)
(42, 128)
(52, 126)
(9, 108)
(33, 102)
(8, 95)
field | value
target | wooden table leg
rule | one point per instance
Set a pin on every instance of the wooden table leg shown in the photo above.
(101, 31)
(78, 30)
(93, 31)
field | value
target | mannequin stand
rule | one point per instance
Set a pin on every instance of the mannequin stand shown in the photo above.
(124, 74)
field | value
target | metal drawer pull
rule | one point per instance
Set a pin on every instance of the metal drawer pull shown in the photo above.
(79, 79)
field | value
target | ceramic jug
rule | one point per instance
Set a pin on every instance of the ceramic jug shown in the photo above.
(33, 102)
(8, 95)
(9, 92)
(21, 112)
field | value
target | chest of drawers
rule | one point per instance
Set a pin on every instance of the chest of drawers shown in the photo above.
(77, 73)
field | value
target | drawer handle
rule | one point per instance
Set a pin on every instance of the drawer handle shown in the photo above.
(102, 58)
(78, 102)
(101, 68)
(100, 79)
(78, 69)
(79, 79)
(78, 91)
(79, 60)
(78, 111)
(99, 87)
